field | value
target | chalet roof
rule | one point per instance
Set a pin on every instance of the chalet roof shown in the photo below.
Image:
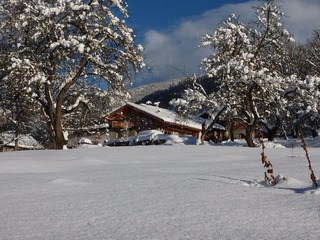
(163, 114)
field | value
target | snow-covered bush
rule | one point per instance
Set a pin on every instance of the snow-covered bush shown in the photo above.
(85, 141)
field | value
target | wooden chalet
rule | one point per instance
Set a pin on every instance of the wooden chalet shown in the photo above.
(238, 129)
(132, 118)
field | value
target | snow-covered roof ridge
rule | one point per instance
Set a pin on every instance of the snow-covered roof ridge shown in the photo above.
(165, 115)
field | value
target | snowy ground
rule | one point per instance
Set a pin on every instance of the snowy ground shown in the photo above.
(157, 192)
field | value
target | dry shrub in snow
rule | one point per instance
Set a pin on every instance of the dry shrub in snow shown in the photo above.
(304, 146)
(268, 174)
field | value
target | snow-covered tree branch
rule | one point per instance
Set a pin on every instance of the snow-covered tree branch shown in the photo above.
(57, 48)
(247, 64)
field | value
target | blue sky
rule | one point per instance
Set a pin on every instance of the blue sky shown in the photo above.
(161, 14)
(170, 30)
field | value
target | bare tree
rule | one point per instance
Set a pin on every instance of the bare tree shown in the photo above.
(313, 54)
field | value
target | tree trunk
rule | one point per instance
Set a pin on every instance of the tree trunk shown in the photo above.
(250, 136)
(232, 131)
(202, 139)
(50, 125)
(49, 113)
(250, 133)
(203, 133)
(54, 124)
(205, 130)
(16, 140)
(17, 132)
(56, 130)
(59, 135)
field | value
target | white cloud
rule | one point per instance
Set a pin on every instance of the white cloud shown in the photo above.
(173, 53)
(303, 17)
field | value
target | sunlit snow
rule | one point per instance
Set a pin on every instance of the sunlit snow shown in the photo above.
(158, 192)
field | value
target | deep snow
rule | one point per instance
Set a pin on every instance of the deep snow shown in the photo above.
(157, 192)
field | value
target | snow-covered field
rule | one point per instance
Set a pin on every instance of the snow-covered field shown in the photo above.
(157, 192)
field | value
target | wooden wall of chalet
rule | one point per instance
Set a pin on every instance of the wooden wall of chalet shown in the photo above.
(127, 118)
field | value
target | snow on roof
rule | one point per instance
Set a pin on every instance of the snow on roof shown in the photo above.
(25, 141)
(216, 126)
(165, 115)
(219, 127)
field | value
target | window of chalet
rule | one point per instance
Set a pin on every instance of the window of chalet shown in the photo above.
(140, 120)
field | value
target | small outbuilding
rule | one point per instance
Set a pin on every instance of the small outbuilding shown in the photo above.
(8, 142)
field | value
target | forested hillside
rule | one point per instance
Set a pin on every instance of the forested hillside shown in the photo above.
(164, 92)
(142, 91)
